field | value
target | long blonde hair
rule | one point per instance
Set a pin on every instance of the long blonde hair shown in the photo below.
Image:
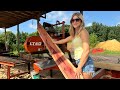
(82, 26)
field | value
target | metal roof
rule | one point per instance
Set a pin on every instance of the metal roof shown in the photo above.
(12, 18)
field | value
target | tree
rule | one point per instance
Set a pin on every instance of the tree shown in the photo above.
(34, 34)
(11, 39)
(23, 37)
(93, 40)
(2, 38)
(117, 33)
(111, 34)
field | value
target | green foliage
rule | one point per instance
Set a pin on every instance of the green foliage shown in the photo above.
(104, 32)
(2, 38)
(67, 28)
(59, 28)
(13, 47)
(114, 33)
(21, 47)
(93, 40)
(89, 29)
(15, 52)
(111, 35)
(11, 38)
(23, 37)
(34, 34)
(111, 53)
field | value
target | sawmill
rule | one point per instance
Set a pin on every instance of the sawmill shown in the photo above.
(33, 45)
(36, 51)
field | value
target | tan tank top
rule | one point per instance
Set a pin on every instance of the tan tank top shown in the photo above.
(77, 46)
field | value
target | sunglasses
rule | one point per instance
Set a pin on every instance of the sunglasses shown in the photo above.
(73, 20)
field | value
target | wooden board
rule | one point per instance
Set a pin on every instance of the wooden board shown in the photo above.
(107, 62)
(109, 66)
(64, 64)
(99, 74)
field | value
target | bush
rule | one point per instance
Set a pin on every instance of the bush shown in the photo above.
(93, 40)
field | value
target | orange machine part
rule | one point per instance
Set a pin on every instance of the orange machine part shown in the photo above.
(38, 69)
(34, 44)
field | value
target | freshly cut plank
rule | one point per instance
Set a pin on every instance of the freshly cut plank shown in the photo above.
(64, 64)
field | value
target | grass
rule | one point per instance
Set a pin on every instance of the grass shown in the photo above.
(15, 52)
(112, 53)
(106, 52)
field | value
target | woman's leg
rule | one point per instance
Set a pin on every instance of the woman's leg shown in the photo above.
(88, 68)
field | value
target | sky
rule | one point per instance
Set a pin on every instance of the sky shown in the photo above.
(109, 18)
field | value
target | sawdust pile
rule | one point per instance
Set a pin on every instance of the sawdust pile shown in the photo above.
(111, 45)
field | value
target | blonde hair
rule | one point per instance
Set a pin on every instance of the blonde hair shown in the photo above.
(82, 26)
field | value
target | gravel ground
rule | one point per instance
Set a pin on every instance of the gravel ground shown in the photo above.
(18, 69)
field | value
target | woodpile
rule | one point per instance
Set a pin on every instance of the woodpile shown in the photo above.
(111, 45)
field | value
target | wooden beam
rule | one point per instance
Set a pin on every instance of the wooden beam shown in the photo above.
(14, 18)
(7, 63)
(66, 67)
(107, 65)
(7, 20)
(25, 15)
(19, 14)
(5, 25)
(9, 14)
(99, 73)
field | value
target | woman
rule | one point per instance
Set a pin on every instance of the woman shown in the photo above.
(79, 37)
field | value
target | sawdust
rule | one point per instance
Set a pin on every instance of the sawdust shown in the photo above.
(45, 74)
(111, 45)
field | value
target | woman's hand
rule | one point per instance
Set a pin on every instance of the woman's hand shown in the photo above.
(55, 41)
(78, 72)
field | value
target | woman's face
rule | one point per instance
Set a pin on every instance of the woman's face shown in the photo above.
(75, 22)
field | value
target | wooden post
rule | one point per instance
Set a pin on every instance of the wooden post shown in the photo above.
(6, 46)
(8, 72)
(18, 37)
(28, 67)
(63, 36)
(81, 12)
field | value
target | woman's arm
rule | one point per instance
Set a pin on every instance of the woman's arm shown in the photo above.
(85, 40)
(62, 41)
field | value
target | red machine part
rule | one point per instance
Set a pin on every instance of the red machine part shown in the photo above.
(111, 74)
(97, 50)
(115, 74)
(34, 44)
